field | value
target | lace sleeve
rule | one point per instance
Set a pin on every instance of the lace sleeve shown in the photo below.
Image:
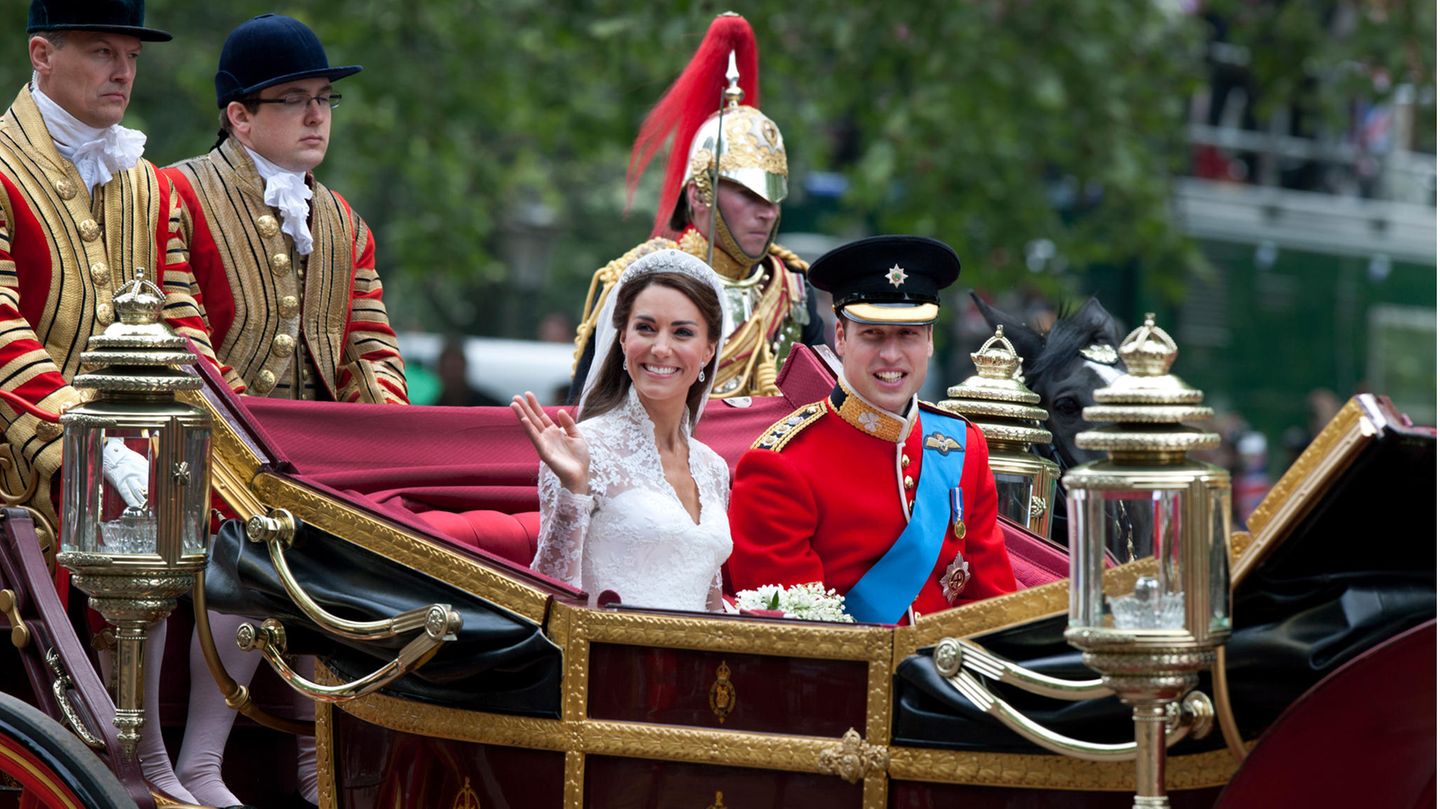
(564, 522)
(715, 601)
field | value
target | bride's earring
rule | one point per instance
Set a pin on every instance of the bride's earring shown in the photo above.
(702, 374)
(625, 365)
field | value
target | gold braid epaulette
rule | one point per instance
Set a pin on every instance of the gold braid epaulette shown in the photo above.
(783, 431)
(600, 286)
(789, 258)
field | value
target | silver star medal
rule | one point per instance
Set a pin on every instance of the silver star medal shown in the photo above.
(957, 575)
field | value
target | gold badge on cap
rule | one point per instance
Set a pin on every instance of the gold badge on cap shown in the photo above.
(896, 276)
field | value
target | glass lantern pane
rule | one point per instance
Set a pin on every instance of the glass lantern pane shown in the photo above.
(1014, 493)
(1220, 561)
(83, 484)
(195, 494)
(1086, 567)
(1140, 525)
(127, 516)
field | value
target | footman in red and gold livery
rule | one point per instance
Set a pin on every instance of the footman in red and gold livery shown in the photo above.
(884, 498)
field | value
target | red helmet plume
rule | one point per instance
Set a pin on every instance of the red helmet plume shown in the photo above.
(694, 96)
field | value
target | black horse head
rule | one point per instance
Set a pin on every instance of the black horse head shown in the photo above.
(1065, 365)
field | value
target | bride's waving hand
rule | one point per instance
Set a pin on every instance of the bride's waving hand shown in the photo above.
(559, 442)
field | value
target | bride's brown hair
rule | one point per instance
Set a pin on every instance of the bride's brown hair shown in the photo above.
(614, 383)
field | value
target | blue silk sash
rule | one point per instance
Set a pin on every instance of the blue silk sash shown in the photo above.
(889, 587)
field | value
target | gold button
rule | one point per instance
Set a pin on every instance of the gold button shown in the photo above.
(104, 315)
(89, 230)
(904, 460)
(909, 482)
(48, 430)
(264, 382)
(100, 271)
(280, 263)
(289, 305)
(284, 344)
(65, 188)
(267, 225)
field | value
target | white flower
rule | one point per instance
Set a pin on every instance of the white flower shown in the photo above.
(807, 602)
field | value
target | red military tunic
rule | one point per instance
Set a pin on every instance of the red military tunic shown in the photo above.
(825, 493)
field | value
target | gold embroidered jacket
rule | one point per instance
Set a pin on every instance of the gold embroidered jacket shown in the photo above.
(63, 253)
(769, 304)
(288, 326)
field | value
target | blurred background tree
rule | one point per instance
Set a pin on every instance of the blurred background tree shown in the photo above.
(486, 141)
(1182, 156)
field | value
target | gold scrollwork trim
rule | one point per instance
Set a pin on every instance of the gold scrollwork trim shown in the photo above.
(852, 759)
(574, 780)
(325, 743)
(402, 547)
(1197, 771)
(729, 634)
(1292, 496)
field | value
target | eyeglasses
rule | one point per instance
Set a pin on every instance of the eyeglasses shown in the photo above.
(298, 101)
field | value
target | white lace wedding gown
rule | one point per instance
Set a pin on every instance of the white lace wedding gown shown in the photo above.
(631, 534)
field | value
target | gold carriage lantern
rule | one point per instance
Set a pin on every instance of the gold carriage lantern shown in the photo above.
(1149, 504)
(136, 483)
(1004, 409)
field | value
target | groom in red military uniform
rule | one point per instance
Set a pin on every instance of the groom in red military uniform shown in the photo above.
(884, 498)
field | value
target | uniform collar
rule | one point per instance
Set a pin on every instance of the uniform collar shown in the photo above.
(695, 243)
(869, 418)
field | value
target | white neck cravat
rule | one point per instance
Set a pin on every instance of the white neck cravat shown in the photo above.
(97, 153)
(286, 190)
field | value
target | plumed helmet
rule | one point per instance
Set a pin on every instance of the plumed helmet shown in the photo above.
(752, 151)
(268, 50)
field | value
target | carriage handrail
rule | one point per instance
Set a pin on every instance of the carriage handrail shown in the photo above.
(1193, 718)
(277, 531)
(974, 657)
(269, 640)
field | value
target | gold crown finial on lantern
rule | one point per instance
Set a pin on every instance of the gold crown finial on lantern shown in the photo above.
(1148, 407)
(996, 399)
(996, 358)
(138, 302)
(1149, 350)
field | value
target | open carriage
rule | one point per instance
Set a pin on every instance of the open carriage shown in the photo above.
(497, 686)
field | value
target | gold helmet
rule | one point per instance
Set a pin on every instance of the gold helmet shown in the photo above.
(751, 148)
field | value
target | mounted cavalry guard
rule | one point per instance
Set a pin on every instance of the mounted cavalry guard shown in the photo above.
(81, 212)
(887, 499)
(285, 266)
(724, 211)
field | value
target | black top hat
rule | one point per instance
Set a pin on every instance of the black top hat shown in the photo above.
(892, 280)
(105, 16)
(268, 50)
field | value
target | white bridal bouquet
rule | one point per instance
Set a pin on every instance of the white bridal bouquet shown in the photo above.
(808, 602)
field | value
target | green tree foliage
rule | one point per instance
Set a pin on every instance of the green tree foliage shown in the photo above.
(486, 135)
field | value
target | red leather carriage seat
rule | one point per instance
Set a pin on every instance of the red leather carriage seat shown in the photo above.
(509, 536)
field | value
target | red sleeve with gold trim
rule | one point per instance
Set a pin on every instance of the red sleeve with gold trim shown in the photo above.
(25, 366)
(371, 369)
(773, 518)
(182, 309)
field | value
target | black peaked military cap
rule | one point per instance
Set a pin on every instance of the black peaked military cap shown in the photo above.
(268, 50)
(103, 16)
(892, 280)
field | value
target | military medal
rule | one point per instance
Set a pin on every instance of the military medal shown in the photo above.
(957, 509)
(957, 575)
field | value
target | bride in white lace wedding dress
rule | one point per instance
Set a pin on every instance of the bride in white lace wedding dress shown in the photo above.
(629, 500)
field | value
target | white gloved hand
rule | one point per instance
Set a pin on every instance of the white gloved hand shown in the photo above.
(126, 471)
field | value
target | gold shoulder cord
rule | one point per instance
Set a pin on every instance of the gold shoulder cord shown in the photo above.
(600, 286)
(783, 431)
